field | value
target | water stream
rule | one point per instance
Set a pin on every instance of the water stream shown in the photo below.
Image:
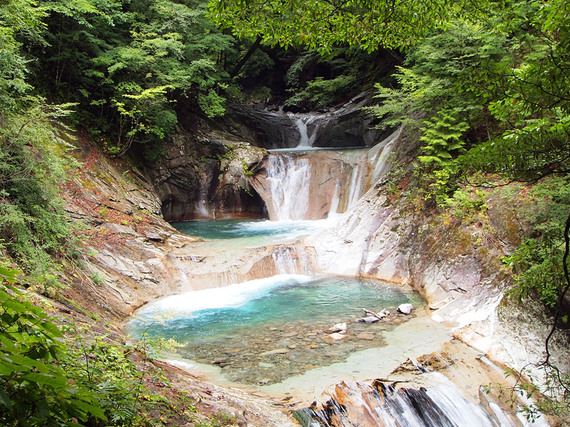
(278, 334)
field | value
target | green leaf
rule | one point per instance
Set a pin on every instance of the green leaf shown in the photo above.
(5, 400)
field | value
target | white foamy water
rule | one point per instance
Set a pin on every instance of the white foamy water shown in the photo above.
(289, 180)
(236, 295)
(289, 229)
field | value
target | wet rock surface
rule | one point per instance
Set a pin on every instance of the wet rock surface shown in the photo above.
(204, 174)
(270, 355)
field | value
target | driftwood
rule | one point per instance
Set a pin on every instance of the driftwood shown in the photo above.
(418, 366)
(379, 316)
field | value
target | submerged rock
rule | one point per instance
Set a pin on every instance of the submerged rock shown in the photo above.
(337, 336)
(274, 352)
(368, 319)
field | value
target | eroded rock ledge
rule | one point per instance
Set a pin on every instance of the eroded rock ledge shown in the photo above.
(133, 256)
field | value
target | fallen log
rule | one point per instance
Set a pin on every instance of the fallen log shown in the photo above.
(379, 316)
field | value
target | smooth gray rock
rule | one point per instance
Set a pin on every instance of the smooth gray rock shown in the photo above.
(405, 308)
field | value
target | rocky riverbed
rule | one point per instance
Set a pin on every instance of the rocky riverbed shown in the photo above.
(270, 355)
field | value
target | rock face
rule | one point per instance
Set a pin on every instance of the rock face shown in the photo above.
(267, 129)
(132, 255)
(205, 175)
(454, 264)
(347, 126)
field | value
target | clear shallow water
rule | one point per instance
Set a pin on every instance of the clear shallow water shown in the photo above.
(249, 230)
(264, 331)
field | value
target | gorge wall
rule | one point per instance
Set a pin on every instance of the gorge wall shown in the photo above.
(133, 256)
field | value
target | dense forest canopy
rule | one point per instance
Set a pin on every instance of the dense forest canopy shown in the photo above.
(484, 84)
(365, 24)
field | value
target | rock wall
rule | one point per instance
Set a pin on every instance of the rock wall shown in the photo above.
(346, 126)
(129, 255)
(453, 262)
(204, 175)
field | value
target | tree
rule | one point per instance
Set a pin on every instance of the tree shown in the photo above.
(15, 16)
(367, 24)
(128, 63)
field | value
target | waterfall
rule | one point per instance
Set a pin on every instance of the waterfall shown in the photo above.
(289, 180)
(384, 405)
(304, 136)
(308, 127)
(335, 200)
(285, 260)
(202, 203)
(355, 187)
(316, 184)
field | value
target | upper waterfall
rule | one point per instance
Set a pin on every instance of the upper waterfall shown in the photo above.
(308, 126)
(316, 184)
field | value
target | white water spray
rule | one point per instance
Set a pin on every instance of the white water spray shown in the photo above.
(285, 260)
(355, 187)
(289, 180)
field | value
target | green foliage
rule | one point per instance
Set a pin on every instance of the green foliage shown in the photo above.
(537, 262)
(293, 77)
(434, 75)
(442, 142)
(538, 401)
(466, 203)
(212, 104)
(246, 170)
(105, 369)
(431, 95)
(322, 92)
(442, 138)
(128, 64)
(33, 164)
(324, 25)
(142, 115)
(15, 16)
(319, 81)
(35, 390)
(529, 95)
(71, 376)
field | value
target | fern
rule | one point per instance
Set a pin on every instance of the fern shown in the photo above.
(442, 138)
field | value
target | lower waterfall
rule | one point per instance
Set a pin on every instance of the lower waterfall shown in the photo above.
(380, 404)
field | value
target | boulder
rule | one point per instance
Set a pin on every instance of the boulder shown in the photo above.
(405, 308)
(337, 336)
(339, 327)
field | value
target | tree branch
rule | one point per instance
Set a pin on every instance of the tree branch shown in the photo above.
(563, 294)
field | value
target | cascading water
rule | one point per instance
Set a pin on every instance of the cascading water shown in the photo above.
(289, 180)
(303, 135)
(285, 260)
(213, 324)
(355, 185)
(307, 135)
(312, 185)
(380, 404)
